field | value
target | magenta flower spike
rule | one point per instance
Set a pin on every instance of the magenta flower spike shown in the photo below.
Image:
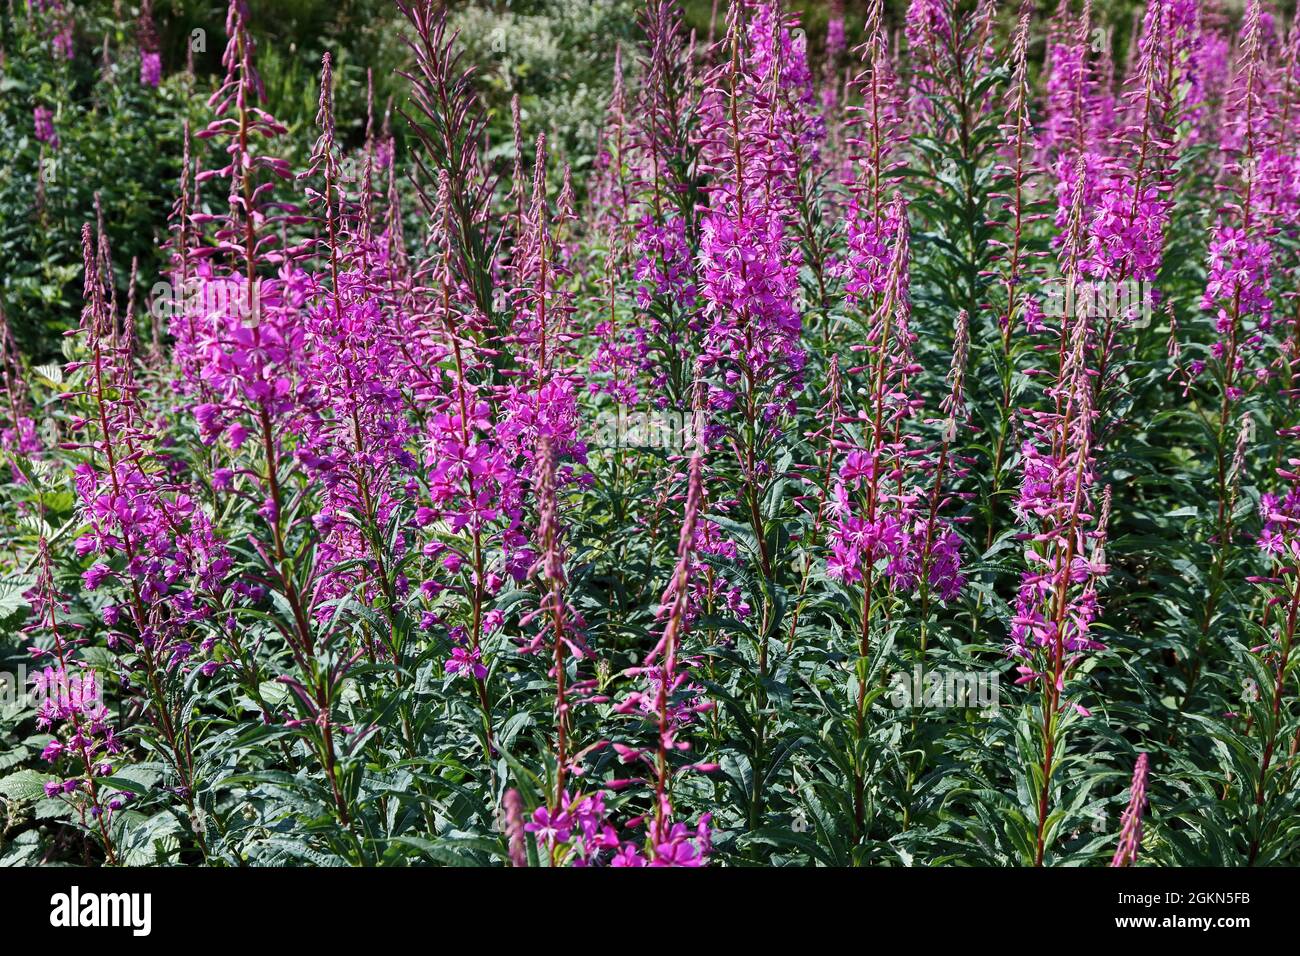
(1130, 835)
(147, 40)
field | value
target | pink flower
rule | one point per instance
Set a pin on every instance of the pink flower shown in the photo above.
(44, 123)
(466, 662)
(150, 69)
(550, 830)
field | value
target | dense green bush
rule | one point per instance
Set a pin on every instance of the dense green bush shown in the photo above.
(117, 138)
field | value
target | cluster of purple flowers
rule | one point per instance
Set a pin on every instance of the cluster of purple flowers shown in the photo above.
(57, 25)
(760, 131)
(43, 121)
(1064, 539)
(147, 38)
(147, 531)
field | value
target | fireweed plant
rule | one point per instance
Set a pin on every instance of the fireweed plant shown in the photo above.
(883, 451)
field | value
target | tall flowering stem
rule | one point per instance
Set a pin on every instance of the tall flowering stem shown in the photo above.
(150, 541)
(672, 701)
(830, 414)
(254, 352)
(940, 559)
(553, 608)
(1065, 538)
(760, 128)
(1238, 291)
(664, 159)
(472, 484)
(1280, 542)
(1020, 212)
(1130, 834)
(147, 38)
(18, 430)
(873, 513)
(448, 123)
(676, 600)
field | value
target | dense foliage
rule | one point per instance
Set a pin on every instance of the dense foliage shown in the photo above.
(882, 457)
